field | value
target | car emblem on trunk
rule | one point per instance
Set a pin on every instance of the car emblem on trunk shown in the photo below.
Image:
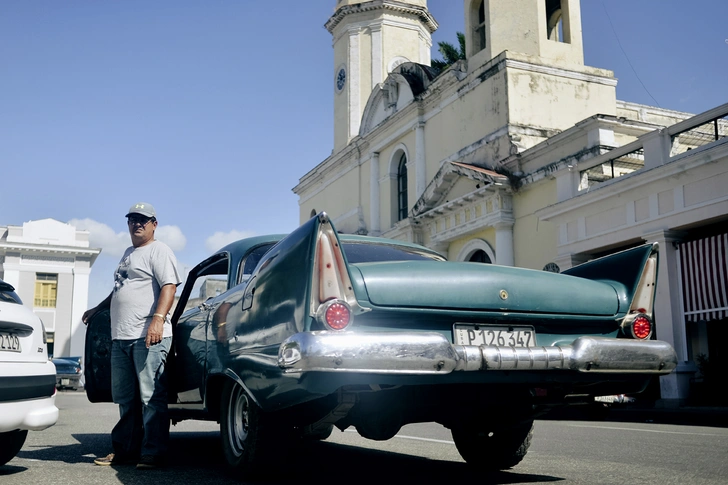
(503, 294)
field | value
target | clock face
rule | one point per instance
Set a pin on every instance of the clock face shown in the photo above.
(340, 79)
(552, 268)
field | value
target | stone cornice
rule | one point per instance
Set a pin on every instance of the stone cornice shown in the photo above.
(45, 248)
(397, 7)
(556, 71)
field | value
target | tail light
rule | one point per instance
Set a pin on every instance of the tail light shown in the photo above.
(333, 302)
(335, 314)
(640, 326)
(638, 323)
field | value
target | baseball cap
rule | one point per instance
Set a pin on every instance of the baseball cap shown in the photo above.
(142, 208)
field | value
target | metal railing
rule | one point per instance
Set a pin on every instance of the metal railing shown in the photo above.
(698, 136)
(612, 168)
(686, 135)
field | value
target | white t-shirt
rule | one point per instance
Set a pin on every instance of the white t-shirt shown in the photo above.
(139, 278)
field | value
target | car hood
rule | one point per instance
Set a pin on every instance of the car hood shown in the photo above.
(484, 287)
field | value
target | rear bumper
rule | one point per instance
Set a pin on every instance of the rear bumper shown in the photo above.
(432, 353)
(33, 414)
(27, 395)
(20, 381)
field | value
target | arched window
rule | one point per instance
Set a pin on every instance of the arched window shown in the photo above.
(313, 213)
(554, 21)
(402, 209)
(478, 26)
(476, 251)
(480, 256)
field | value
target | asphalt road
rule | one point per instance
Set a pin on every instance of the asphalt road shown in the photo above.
(569, 452)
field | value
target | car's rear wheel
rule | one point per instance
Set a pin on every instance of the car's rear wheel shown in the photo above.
(493, 449)
(247, 433)
(10, 444)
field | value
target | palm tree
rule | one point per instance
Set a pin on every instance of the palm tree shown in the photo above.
(450, 54)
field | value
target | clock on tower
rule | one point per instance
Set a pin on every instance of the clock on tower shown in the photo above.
(340, 79)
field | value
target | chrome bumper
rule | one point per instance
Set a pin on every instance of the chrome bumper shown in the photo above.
(432, 353)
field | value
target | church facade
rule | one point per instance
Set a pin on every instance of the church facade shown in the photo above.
(521, 155)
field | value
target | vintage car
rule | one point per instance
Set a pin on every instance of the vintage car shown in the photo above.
(69, 372)
(319, 329)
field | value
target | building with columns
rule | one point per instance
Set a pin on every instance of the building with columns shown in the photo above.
(522, 155)
(49, 264)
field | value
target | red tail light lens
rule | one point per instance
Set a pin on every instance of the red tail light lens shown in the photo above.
(641, 327)
(337, 316)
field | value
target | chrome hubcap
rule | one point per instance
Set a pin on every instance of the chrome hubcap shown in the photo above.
(238, 419)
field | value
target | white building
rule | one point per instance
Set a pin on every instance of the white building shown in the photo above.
(522, 155)
(49, 263)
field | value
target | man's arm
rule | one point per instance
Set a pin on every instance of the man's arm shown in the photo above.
(164, 304)
(104, 305)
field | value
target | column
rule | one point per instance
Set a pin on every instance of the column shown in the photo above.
(657, 146)
(567, 184)
(377, 62)
(79, 305)
(504, 244)
(374, 194)
(669, 324)
(420, 168)
(354, 82)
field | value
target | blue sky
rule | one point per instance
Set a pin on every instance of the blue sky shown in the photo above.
(213, 110)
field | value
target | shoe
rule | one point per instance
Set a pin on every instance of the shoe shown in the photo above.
(113, 459)
(147, 462)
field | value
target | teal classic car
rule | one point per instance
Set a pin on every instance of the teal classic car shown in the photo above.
(320, 330)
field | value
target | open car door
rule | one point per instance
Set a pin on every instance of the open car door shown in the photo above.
(97, 371)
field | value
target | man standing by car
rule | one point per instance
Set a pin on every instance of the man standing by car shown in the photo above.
(144, 286)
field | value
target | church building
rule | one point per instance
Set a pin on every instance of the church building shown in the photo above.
(521, 155)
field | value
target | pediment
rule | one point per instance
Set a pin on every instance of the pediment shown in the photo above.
(407, 81)
(456, 181)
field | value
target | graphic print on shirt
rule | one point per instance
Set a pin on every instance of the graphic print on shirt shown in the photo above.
(122, 273)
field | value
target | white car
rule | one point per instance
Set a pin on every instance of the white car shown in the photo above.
(27, 377)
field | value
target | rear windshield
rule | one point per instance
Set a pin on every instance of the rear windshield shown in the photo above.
(7, 294)
(371, 253)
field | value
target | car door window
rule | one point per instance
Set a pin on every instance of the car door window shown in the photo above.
(251, 260)
(208, 280)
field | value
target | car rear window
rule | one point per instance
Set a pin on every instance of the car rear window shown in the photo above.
(8, 295)
(371, 253)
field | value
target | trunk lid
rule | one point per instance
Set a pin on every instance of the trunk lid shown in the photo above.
(481, 287)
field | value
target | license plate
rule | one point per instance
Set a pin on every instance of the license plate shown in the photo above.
(9, 342)
(65, 382)
(502, 336)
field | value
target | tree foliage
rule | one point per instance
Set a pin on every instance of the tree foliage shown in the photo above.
(450, 54)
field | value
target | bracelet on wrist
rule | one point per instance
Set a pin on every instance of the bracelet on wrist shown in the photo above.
(158, 315)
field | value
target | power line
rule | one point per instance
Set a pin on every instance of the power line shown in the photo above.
(627, 57)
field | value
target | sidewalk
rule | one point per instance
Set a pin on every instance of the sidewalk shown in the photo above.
(716, 416)
(685, 415)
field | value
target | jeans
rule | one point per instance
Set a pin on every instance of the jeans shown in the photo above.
(139, 387)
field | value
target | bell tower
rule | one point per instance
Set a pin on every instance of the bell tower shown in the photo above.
(545, 29)
(371, 38)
